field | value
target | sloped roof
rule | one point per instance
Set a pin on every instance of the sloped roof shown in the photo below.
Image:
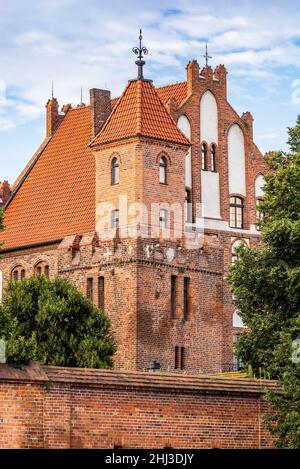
(140, 112)
(177, 91)
(57, 197)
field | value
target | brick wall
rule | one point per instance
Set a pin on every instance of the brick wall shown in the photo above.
(55, 407)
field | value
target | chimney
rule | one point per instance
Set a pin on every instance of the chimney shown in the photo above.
(192, 69)
(100, 102)
(5, 193)
(52, 117)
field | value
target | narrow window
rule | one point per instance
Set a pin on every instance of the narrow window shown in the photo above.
(237, 362)
(182, 358)
(163, 218)
(204, 156)
(186, 284)
(179, 358)
(42, 268)
(176, 366)
(188, 205)
(259, 214)
(18, 273)
(115, 219)
(101, 293)
(213, 157)
(89, 292)
(115, 173)
(173, 295)
(163, 166)
(236, 212)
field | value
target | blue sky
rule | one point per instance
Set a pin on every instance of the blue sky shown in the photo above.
(88, 43)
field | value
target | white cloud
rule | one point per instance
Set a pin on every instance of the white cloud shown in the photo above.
(295, 97)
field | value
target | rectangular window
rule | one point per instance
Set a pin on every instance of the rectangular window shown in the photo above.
(236, 212)
(101, 293)
(115, 219)
(176, 358)
(179, 358)
(47, 271)
(16, 275)
(173, 295)
(188, 206)
(90, 292)
(237, 362)
(163, 218)
(186, 285)
(182, 358)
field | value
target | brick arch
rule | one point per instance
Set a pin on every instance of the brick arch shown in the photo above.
(17, 266)
(163, 154)
(190, 124)
(214, 95)
(112, 156)
(236, 122)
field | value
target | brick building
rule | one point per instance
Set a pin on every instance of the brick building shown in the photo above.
(141, 201)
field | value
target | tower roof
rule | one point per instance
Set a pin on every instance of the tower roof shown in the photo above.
(140, 113)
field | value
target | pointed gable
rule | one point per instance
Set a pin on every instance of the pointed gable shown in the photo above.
(140, 112)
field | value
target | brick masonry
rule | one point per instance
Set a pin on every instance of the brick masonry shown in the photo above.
(55, 407)
(137, 272)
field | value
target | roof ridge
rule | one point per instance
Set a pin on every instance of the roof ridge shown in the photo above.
(139, 103)
(171, 84)
(169, 115)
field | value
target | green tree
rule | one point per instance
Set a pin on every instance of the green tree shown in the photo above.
(294, 136)
(265, 281)
(51, 322)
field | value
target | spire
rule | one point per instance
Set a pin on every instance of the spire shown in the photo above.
(139, 51)
(206, 56)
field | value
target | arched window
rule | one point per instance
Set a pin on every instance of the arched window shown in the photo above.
(234, 246)
(204, 156)
(115, 171)
(18, 273)
(42, 268)
(236, 212)
(163, 169)
(213, 166)
(237, 320)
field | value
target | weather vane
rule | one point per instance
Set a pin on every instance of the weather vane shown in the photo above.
(206, 56)
(139, 51)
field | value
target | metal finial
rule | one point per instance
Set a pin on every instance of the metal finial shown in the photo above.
(81, 95)
(139, 51)
(52, 89)
(206, 56)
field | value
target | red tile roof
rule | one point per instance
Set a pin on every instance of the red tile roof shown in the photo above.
(56, 195)
(177, 91)
(140, 112)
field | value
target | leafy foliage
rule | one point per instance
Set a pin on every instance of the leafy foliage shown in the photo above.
(265, 281)
(53, 323)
